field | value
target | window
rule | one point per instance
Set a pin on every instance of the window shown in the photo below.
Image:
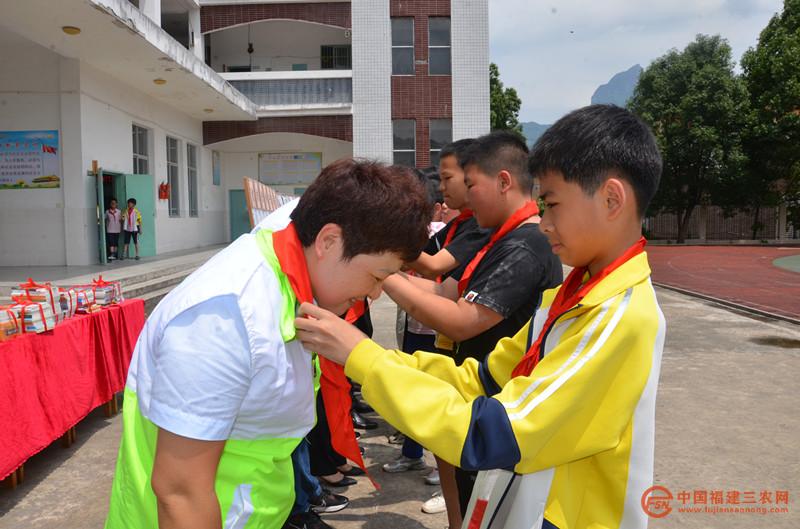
(402, 46)
(403, 137)
(172, 177)
(439, 46)
(336, 57)
(441, 133)
(191, 173)
(216, 168)
(141, 159)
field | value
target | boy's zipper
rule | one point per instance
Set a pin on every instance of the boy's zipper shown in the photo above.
(547, 332)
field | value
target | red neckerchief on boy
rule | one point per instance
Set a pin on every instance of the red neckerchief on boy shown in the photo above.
(571, 293)
(465, 215)
(527, 211)
(333, 382)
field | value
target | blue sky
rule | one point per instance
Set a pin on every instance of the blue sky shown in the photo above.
(557, 52)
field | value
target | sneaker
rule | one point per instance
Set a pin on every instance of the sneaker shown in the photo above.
(435, 505)
(112, 258)
(305, 520)
(397, 438)
(403, 463)
(433, 477)
(329, 502)
(137, 257)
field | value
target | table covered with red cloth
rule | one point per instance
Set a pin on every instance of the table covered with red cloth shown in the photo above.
(50, 381)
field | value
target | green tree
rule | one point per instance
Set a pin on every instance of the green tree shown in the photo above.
(772, 73)
(504, 103)
(697, 108)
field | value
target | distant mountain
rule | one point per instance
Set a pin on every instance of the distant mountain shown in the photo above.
(619, 89)
(532, 130)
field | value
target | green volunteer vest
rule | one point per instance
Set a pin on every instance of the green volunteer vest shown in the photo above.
(255, 480)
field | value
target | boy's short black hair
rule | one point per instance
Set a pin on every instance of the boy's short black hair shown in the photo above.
(132, 201)
(379, 208)
(430, 179)
(588, 143)
(457, 149)
(497, 151)
(112, 199)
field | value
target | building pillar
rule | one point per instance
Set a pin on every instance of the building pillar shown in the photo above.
(195, 35)
(80, 225)
(782, 222)
(372, 74)
(702, 222)
(470, 67)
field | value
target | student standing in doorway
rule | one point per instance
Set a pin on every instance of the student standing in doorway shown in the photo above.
(113, 227)
(132, 224)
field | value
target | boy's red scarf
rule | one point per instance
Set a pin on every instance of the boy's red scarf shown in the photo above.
(571, 293)
(527, 211)
(464, 216)
(333, 382)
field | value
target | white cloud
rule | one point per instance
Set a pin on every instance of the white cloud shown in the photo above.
(557, 53)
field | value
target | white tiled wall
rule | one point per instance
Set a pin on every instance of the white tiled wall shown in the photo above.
(372, 70)
(470, 40)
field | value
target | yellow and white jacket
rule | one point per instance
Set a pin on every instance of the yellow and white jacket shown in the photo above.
(571, 445)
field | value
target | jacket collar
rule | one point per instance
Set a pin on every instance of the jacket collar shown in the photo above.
(626, 276)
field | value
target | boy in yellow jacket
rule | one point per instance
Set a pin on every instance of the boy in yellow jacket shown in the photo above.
(559, 417)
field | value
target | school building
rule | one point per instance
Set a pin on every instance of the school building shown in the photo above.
(178, 100)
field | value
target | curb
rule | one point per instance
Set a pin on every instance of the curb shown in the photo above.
(729, 304)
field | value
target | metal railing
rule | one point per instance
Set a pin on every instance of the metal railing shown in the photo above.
(314, 89)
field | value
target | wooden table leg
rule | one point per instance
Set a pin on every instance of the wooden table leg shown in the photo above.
(108, 407)
(68, 438)
(20, 474)
(11, 480)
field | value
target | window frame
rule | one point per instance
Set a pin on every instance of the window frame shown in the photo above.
(395, 150)
(174, 201)
(405, 46)
(137, 131)
(333, 48)
(431, 150)
(192, 172)
(449, 47)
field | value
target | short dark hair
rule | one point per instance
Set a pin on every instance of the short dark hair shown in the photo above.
(589, 142)
(456, 149)
(379, 208)
(132, 201)
(430, 179)
(113, 199)
(500, 150)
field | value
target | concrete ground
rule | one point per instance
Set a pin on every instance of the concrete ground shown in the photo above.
(727, 419)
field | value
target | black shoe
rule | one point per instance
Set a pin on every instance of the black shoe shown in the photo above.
(329, 502)
(353, 472)
(362, 407)
(305, 520)
(362, 423)
(344, 482)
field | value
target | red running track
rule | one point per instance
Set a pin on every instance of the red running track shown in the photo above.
(743, 275)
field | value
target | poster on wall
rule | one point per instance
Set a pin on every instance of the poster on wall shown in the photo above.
(289, 168)
(29, 159)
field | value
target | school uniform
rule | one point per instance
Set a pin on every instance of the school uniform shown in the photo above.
(566, 443)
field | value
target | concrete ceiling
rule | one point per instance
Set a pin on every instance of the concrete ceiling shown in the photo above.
(119, 40)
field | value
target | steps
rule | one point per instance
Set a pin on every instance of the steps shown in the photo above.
(148, 279)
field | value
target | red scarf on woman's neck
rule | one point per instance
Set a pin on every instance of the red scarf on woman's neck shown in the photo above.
(333, 382)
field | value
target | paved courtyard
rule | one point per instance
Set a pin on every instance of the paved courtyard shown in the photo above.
(727, 419)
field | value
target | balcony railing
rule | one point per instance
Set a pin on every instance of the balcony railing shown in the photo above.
(296, 91)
